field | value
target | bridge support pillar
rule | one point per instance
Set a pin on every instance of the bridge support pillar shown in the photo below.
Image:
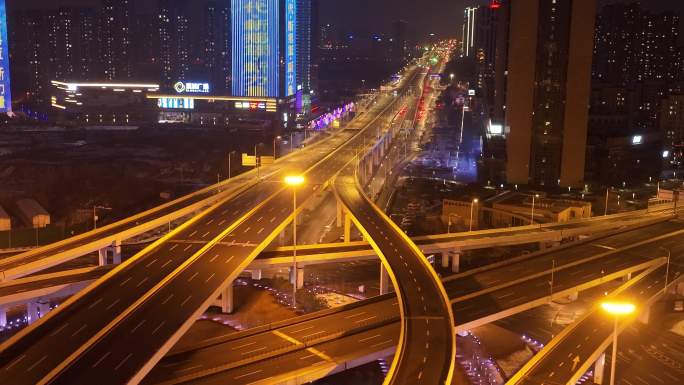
(116, 252)
(347, 228)
(340, 213)
(102, 256)
(645, 316)
(384, 279)
(600, 369)
(300, 277)
(3, 317)
(256, 275)
(627, 277)
(445, 260)
(32, 312)
(455, 262)
(227, 299)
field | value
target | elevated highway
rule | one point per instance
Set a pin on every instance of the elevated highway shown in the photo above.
(161, 291)
(583, 344)
(321, 343)
(427, 344)
(111, 236)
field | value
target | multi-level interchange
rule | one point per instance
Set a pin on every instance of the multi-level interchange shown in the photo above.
(122, 322)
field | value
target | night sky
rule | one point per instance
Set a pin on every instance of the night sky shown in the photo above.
(442, 17)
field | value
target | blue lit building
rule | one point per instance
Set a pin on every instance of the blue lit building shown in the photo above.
(5, 94)
(271, 48)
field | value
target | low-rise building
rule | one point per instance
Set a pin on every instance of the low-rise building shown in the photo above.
(32, 213)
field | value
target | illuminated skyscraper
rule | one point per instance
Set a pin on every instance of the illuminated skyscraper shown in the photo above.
(266, 56)
(5, 94)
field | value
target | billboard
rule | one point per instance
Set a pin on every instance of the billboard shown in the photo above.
(290, 47)
(5, 94)
(256, 37)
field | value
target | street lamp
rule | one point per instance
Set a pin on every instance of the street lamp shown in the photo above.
(294, 181)
(667, 269)
(230, 155)
(533, 201)
(472, 205)
(616, 309)
(274, 145)
(95, 214)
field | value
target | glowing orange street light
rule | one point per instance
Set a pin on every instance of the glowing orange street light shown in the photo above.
(617, 309)
(294, 181)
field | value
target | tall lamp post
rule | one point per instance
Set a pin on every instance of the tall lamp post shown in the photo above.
(472, 206)
(230, 156)
(95, 218)
(274, 145)
(616, 309)
(667, 269)
(294, 181)
(535, 196)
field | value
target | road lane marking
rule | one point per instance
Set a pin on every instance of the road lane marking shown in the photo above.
(36, 363)
(369, 338)
(123, 361)
(247, 374)
(167, 299)
(125, 281)
(113, 303)
(381, 343)
(243, 345)
(193, 276)
(187, 247)
(319, 354)
(158, 327)
(173, 247)
(213, 258)
(210, 277)
(59, 330)
(186, 300)
(253, 351)
(101, 359)
(138, 326)
(301, 330)
(165, 264)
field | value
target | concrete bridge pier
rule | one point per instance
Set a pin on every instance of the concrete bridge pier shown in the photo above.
(256, 274)
(445, 260)
(384, 279)
(600, 369)
(227, 299)
(347, 227)
(36, 310)
(455, 261)
(340, 213)
(116, 252)
(102, 256)
(300, 277)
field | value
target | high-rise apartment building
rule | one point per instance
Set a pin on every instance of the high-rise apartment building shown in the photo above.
(547, 89)
(116, 32)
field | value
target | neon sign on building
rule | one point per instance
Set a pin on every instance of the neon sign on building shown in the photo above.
(290, 47)
(256, 37)
(5, 94)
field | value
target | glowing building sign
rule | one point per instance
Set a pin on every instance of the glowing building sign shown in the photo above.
(256, 38)
(176, 103)
(191, 88)
(290, 47)
(5, 94)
